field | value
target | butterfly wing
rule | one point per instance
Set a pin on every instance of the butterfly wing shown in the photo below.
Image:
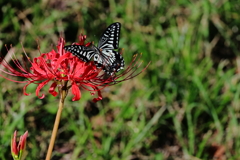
(116, 63)
(110, 60)
(82, 52)
(110, 37)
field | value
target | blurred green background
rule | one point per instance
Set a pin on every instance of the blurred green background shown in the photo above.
(186, 105)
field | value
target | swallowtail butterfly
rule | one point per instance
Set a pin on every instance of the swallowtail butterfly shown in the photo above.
(103, 55)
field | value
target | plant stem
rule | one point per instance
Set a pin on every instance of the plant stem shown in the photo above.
(56, 124)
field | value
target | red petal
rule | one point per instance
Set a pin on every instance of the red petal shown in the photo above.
(62, 58)
(99, 97)
(52, 89)
(14, 148)
(37, 66)
(88, 44)
(40, 86)
(76, 92)
(25, 88)
(22, 142)
(60, 45)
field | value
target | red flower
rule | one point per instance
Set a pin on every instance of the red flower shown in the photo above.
(61, 68)
(18, 149)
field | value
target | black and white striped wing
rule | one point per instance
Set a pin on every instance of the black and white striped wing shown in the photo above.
(82, 52)
(109, 60)
(112, 63)
(110, 37)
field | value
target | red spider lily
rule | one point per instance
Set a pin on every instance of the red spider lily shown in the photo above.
(60, 67)
(18, 149)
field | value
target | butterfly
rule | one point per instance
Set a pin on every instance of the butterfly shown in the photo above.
(104, 55)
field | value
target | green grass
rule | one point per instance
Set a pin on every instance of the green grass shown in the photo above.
(185, 105)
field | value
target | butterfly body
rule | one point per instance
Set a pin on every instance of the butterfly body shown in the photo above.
(104, 55)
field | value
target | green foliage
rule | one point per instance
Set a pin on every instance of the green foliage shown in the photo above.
(185, 105)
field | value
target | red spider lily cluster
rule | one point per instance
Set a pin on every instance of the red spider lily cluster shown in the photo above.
(60, 68)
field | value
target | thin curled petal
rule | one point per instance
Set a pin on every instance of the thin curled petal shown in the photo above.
(99, 97)
(39, 87)
(25, 88)
(52, 89)
(76, 92)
